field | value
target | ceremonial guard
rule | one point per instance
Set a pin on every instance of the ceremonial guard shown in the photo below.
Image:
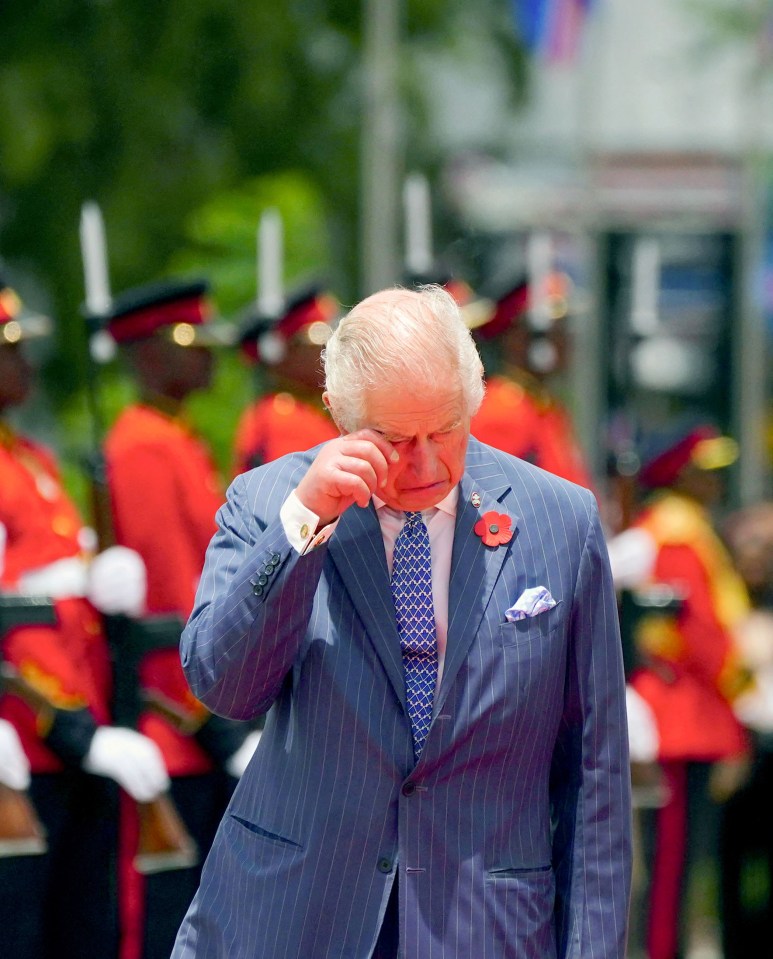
(56, 690)
(746, 844)
(519, 414)
(164, 493)
(291, 417)
(687, 667)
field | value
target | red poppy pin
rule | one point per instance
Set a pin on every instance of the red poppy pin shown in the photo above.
(494, 528)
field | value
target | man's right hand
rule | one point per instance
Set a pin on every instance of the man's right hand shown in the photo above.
(118, 582)
(14, 765)
(347, 470)
(134, 761)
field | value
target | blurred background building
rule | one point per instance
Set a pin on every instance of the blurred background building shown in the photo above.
(642, 152)
(629, 143)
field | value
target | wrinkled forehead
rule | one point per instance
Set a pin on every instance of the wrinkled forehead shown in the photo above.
(408, 410)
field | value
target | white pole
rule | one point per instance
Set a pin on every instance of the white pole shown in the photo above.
(380, 146)
(94, 254)
(270, 263)
(645, 286)
(417, 212)
(539, 255)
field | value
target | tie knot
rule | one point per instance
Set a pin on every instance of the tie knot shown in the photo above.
(413, 519)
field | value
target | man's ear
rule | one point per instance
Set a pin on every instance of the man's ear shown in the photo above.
(331, 411)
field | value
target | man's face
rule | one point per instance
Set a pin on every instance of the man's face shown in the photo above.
(195, 367)
(15, 376)
(705, 486)
(429, 429)
(172, 370)
(302, 364)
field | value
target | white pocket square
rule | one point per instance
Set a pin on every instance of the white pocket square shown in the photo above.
(531, 602)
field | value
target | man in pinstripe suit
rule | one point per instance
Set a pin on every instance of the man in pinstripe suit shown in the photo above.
(508, 837)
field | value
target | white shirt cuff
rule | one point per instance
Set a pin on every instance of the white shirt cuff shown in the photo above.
(300, 525)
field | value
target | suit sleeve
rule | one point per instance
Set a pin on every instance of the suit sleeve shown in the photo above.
(590, 778)
(252, 609)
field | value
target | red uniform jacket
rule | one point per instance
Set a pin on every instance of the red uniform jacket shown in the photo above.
(68, 664)
(278, 424)
(691, 668)
(164, 493)
(533, 427)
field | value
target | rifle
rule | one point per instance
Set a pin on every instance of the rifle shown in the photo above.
(645, 613)
(164, 842)
(21, 832)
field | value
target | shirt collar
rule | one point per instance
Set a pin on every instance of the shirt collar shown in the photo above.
(447, 504)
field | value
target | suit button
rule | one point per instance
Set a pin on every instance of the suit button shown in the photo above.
(262, 579)
(276, 559)
(409, 789)
(385, 865)
(257, 589)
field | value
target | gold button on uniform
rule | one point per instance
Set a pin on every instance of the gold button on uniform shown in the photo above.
(62, 525)
(284, 404)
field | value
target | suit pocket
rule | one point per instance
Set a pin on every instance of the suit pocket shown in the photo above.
(521, 901)
(519, 872)
(533, 628)
(267, 834)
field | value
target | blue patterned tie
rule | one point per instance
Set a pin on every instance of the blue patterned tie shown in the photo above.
(412, 596)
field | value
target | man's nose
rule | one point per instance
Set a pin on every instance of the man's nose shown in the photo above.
(423, 459)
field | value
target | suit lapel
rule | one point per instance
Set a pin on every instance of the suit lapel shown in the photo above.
(357, 549)
(474, 567)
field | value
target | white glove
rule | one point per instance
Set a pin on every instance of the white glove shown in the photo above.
(62, 579)
(134, 761)
(632, 556)
(117, 581)
(755, 707)
(14, 765)
(237, 763)
(643, 736)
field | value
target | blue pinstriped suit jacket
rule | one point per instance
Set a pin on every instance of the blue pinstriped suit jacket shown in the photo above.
(511, 834)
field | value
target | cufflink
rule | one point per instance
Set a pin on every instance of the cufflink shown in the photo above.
(322, 537)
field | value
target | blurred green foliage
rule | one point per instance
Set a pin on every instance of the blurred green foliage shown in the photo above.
(184, 119)
(220, 236)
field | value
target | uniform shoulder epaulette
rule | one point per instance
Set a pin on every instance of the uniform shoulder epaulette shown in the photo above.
(509, 392)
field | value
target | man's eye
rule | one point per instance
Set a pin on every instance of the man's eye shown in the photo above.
(439, 433)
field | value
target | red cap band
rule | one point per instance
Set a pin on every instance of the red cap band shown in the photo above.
(320, 309)
(9, 305)
(509, 308)
(664, 469)
(141, 323)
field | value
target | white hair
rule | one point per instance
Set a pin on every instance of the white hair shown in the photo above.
(404, 340)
